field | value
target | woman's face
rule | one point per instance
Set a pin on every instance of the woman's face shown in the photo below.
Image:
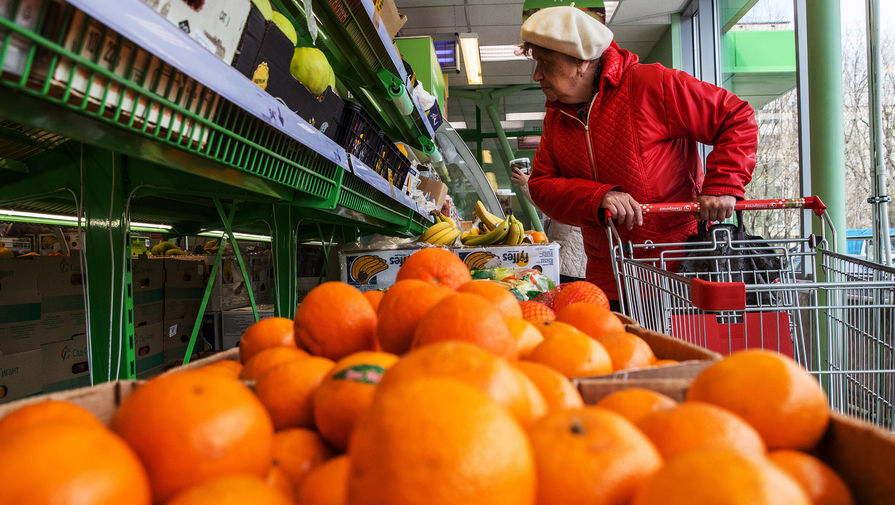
(559, 77)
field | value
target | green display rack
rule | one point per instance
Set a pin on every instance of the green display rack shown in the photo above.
(99, 123)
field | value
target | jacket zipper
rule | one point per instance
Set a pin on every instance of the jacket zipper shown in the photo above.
(590, 149)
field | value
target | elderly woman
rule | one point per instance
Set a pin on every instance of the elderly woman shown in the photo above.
(618, 133)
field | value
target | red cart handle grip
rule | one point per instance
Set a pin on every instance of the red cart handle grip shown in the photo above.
(808, 202)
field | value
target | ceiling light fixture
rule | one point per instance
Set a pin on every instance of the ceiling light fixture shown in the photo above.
(469, 45)
(502, 52)
(63, 220)
(525, 116)
(241, 236)
(509, 125)
(458, 125)
(611, 6)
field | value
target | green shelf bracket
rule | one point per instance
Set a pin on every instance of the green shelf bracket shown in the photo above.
(228, 228)
(426, 145)
(207, 294)
(285, 250)
(111, 331)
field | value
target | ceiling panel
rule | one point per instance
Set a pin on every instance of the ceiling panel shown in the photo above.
(637, 25)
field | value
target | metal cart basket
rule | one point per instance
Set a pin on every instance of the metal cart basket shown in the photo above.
(833, 314)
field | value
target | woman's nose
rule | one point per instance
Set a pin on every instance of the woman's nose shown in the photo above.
(537, 75)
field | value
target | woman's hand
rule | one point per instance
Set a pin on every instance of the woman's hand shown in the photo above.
(715, 208)
(521, 180)
(624, 208)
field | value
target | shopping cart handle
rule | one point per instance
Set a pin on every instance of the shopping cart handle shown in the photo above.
(808, 202)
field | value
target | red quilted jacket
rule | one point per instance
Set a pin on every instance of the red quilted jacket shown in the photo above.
(642, 132)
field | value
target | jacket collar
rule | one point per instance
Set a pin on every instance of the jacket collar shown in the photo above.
(615, 61)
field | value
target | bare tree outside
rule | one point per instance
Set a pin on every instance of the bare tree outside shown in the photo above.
(777, 168)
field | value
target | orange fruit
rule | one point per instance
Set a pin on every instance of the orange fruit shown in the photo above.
(818, 480)
(52, 463)
(374, 297)
(436, 266)
(401, 309)
(474, 366)
(266, 333)
(697, 425)
(231, 490)
(627, 351)
(287, 391)
(269, 358)
(468, 318)
(439, 441)
(335, 320)
(590, 456)
(297, 451)
(225, 367)
(635, 403)
(538, 237)
(174, 424)
(277, 479)
(327, 484)
(346, 392)
(771, 392)
(533, 311)
(580, 291)
(665, 362)
(591, 319)
(557, 391)
(570, 352)
(713, 476)
(526, 335)
(47, 412)
(503, 300)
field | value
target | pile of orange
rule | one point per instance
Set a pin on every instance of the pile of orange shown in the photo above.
(441, 390)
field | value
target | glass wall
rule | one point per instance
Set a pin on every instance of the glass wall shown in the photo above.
(758, 63)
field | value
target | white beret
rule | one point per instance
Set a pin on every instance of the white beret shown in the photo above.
(567, 30)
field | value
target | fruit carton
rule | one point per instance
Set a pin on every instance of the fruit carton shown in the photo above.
(368, 269)
(862, 454)
(691, 360)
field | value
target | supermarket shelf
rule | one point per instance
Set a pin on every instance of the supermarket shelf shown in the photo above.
(358, 47)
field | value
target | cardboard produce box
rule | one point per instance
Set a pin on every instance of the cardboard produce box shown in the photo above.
(148, 276)
(216, 26)
(230, 290)
(235, 322)
(61, 287)
(368, 269)
(21, 375)
(862, 454)
(149, 348)
(20, 308)
(65, 364)
(390, 17)
(436, 190)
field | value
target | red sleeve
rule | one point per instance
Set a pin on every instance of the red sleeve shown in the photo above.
(573, 201)
(714, 116)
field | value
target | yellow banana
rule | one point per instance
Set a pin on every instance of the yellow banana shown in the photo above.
(492, 237)
(514, 236)
(433, 230)
(488, 219)
(448, 238)
(448, 219)
(441, 235)
(479, 259)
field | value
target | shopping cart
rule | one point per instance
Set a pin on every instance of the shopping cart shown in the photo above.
(834, 314)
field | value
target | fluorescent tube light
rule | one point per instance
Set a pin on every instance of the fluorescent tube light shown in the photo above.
(509, 125)
(240, 236)
(458, 125)
(501, 52)
(525, 116)
(469, 45)
(62, 220)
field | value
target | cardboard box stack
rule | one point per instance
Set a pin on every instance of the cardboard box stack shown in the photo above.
(149, 307)
(20, 357)
(184, 287)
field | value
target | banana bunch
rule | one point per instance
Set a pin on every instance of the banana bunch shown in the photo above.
(166, 248)
(365, 267)
(443, 232)
(508, 231)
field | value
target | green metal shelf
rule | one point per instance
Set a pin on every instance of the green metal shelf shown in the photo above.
(97, 121)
